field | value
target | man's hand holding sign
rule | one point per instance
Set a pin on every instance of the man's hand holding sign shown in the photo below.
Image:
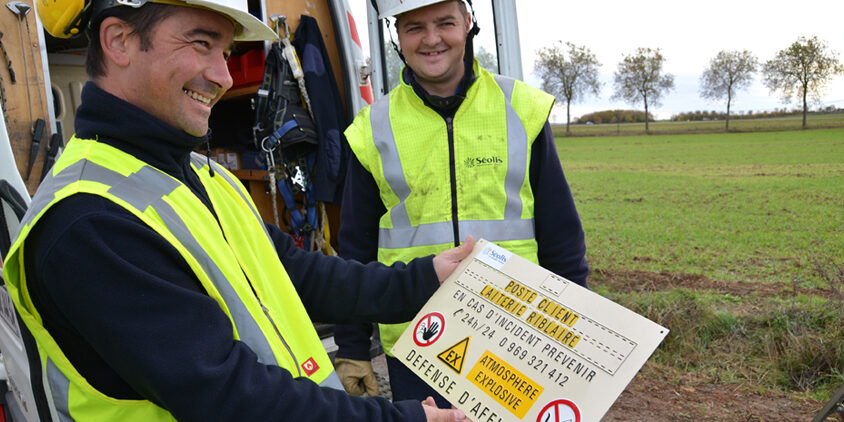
(447, 261)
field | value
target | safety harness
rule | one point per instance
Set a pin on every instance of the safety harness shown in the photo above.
(285, 131)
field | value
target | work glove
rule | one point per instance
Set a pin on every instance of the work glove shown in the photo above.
(356, 376)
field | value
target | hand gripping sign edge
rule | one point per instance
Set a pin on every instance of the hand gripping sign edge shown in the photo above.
(429, 329)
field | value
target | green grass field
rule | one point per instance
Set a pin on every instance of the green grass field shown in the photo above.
(749, 207)
(765, 208)
(813, 121)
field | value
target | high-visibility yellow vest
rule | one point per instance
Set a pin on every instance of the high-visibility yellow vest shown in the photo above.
(404, 144)
(235, 261)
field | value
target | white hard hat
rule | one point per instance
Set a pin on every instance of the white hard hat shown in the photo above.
(69, 18)
(387, 8)
(252, 29)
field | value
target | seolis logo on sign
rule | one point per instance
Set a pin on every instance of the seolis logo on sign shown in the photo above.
(499, 257)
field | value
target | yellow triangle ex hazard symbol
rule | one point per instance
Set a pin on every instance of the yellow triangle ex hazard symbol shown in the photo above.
(453, 356)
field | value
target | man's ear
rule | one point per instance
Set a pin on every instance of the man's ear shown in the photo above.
(115, 38)
(468, 23)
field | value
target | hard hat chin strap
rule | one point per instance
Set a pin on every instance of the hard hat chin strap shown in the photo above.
(469, 54)
(475, 28)
(393, 42)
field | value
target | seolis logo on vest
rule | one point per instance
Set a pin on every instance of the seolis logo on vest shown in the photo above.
(482, 161)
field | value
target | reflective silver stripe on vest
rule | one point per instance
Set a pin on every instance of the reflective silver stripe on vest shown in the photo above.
(517, 147)
(146, 188)
(385, 142)
(332, 381)
(59, 386)
(443, 232)
(404, 235)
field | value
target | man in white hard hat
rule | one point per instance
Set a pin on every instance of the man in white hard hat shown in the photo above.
(143, 272)
(452, 151)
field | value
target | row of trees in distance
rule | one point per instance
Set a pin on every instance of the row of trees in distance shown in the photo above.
(697, 115)
(615, 116)
(802, 70)
(638, 116)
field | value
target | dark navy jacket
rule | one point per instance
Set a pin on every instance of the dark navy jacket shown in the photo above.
(559, 233)
(327, 108)
(134, 320)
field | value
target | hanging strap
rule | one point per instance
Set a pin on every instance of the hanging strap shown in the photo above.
(276, 115)
(270, 103)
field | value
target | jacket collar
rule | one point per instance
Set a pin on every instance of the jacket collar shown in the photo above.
(115, 122)
(444, 106)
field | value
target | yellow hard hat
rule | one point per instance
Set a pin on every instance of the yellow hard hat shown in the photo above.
(69, 18)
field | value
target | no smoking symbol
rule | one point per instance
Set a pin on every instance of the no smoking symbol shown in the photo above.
(560, 410)
(429, 329)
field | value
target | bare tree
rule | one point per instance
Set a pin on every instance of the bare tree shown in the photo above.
(568, 73)
(728, 72)
(639, 78)
(487, 59)
(803, 70)
(393, 64)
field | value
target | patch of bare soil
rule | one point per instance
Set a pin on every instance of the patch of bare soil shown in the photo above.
(641, 281)
(660, 393)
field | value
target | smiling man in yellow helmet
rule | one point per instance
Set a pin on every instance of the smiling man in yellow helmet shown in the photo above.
(454, 150)
(143, 271)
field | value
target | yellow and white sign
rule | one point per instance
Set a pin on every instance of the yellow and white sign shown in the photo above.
(504, 339)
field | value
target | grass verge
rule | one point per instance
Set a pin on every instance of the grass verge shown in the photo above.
(744, 209)
(662, 127)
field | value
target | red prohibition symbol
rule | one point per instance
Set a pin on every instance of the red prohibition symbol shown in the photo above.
(429, 329)
(560, 410)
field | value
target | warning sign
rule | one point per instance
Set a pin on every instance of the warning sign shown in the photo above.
(429, 329)
(505, 384)
(539, 343)
(453, 356)
(560, 410)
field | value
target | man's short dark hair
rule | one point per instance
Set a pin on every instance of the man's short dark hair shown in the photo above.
(142, 20)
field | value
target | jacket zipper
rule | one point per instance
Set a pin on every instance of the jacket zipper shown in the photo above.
(455, 223)
(275, 327)
(286, 346)
(258, 298)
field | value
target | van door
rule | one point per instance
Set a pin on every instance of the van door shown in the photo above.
(18, 401)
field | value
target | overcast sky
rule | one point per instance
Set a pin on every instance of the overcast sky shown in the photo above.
(688, 36)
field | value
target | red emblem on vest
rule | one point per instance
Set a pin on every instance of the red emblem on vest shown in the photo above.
(310, 366)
